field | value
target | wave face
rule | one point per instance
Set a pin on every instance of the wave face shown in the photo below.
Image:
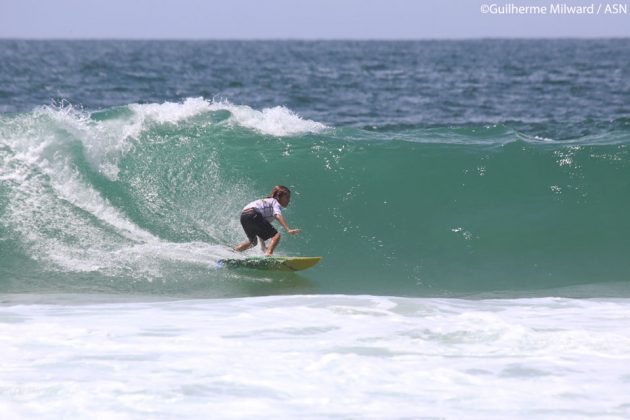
(146, 197)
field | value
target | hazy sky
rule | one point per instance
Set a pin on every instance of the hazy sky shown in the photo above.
(300, 19)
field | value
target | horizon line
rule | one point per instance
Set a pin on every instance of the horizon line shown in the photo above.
(308, 39)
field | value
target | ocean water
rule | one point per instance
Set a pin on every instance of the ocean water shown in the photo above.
(470, 200)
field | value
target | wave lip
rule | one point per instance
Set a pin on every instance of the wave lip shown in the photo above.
(275, 121)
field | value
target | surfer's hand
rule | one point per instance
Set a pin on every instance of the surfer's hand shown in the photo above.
(293, 231)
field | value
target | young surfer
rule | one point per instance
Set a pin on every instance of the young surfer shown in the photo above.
(257, 216)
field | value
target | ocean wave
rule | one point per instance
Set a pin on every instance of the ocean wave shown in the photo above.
(149, 192)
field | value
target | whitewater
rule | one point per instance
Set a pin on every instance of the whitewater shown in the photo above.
(315, 357)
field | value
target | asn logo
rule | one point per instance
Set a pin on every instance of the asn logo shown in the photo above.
(616, 9)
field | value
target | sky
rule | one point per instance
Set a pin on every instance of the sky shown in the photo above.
(305, 19)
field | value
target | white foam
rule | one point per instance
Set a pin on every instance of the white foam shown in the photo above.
(276, 121)
(170, 112)
(56, 213)
(106, 141)
(317, 357)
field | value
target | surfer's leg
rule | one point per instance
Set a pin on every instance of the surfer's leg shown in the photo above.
(246, 245)
(243, 246)
(272, 244)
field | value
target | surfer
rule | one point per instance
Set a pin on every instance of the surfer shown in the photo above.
(257, 216)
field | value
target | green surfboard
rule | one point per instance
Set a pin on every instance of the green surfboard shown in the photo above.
(270, 263)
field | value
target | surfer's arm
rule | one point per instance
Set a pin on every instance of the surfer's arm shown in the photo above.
(286, 227)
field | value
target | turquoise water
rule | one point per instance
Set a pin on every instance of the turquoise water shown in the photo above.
(470, 200)
(119, 199)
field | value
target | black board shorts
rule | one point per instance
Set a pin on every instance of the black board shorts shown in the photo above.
(255, 225)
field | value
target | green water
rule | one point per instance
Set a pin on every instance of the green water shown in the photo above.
(489, 210)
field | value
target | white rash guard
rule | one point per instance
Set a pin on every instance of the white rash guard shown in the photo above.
(268, 207)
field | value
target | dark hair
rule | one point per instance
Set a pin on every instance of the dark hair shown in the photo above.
(279, 191)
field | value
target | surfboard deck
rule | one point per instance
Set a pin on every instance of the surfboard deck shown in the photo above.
(270, 263)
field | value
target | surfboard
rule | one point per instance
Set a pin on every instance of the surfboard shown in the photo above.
(270, 263)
